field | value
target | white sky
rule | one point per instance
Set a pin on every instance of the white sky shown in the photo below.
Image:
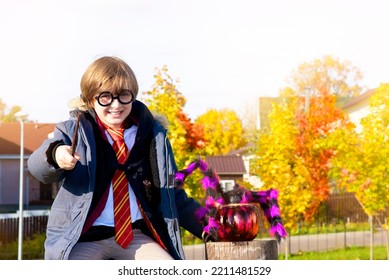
(225, 53)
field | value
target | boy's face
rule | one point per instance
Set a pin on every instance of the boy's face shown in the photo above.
(113, 114)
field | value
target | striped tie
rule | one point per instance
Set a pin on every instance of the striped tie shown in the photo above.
(122, 213)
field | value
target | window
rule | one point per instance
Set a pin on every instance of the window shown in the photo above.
(227, 185)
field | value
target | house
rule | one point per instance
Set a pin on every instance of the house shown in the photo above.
(35, 193)
(229, 168)
(265, 106)
(236, 164)
(358, 107)
(246, 153)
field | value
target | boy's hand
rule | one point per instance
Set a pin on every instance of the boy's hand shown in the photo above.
(64, 158)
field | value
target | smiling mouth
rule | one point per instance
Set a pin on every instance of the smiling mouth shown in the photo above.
(115, 113)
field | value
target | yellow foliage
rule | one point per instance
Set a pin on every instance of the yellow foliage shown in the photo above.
(365, 162)
(223, 131)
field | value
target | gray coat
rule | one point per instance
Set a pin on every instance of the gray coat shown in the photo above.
(71, 205)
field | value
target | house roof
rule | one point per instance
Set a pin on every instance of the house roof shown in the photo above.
(223, 165)
(34, 134)
(242, 151)
(359, 99)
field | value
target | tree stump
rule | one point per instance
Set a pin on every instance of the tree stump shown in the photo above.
(242, 250)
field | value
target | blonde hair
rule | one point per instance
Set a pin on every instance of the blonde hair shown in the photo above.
(107, 72)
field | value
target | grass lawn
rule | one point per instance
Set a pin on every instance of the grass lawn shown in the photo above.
(352, 253)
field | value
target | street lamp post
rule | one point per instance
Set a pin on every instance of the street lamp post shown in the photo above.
(21, 117)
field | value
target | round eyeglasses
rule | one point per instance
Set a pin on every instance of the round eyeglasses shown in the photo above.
(106, 98)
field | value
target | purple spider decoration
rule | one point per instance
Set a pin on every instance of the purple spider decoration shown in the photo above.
(216, 198)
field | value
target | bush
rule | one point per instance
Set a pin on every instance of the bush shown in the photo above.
(32, 249)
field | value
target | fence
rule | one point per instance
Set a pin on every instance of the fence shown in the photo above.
(340, 223)
(33, 222)
(341, 210)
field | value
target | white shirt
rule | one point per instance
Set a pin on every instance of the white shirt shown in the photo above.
(106, 217)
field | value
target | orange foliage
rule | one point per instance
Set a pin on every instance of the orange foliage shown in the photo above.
(194, 132)
(318, 122)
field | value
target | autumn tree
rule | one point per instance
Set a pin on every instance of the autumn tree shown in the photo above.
(339, 78)
(8, 114)
(362, 165)
(165, 99)
(371, 185)
(223, 131)
(186, 138)
(316, 143)
(294, 154)
(278, 167)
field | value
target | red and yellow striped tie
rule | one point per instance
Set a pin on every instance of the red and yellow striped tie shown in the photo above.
(121, 202)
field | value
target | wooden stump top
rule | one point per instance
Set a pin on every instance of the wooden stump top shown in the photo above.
(242, 250)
